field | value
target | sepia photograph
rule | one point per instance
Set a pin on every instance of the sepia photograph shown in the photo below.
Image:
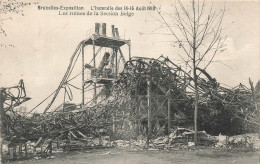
(130, 82)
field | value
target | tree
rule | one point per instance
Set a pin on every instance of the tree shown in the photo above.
(197, 30)
(7, 10)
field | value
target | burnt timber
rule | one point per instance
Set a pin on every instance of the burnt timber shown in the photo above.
(141, 96)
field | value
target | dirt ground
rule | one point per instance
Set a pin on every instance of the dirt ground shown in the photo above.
(126, 156)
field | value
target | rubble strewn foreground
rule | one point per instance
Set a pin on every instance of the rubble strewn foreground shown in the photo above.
(181, 138)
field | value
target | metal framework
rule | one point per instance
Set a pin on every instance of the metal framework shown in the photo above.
(141, 96)
(100, 75)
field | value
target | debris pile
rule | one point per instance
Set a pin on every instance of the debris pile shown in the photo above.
(149, 99)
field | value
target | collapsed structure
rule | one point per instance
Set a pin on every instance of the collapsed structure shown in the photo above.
(140, 97)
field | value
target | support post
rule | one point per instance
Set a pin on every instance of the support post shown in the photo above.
(169, 106)
(1, 119)
(1, 111)
(1, 153)
(169, 112)
(256, 105)
(129, 46)
(121, 55)
(136, 111)
(256, 108)
(41, 148)
(15, 151)
(58, 143)
(149, 109)
(83, 81)
(50, 147)
(115, 50)
(25, 149)
(110, 145)
(114, 123)
(64, 98)
(95, 73)
(11, 153)
(20, 150)
(99, 138)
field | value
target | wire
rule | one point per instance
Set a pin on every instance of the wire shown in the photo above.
(56, 89)
(85, 68)
(74, 86)
(65, 77)
(41, 102)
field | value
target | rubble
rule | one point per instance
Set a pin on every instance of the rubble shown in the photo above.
(123, 121)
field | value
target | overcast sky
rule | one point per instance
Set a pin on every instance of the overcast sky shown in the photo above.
(44, 42)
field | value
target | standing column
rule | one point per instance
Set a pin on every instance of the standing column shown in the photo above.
(11, 152)
(1, 110)
(169, 108)
(115, 50)
(50, 147)
(2, 119)
(129, 46)
(83, 81)
(20, 150)
(254, 96)
(137, 118)
(169, 115)
(25, 149)
(2, 153)
(114, 125)
(95, 72)
(114, 122)
(149, 108)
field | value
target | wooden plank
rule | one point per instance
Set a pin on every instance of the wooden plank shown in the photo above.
(38, 142)
(73, 134)
(82, 134)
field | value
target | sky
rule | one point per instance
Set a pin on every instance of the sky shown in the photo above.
(44, 41)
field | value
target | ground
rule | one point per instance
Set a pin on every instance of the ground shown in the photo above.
(133, 156)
